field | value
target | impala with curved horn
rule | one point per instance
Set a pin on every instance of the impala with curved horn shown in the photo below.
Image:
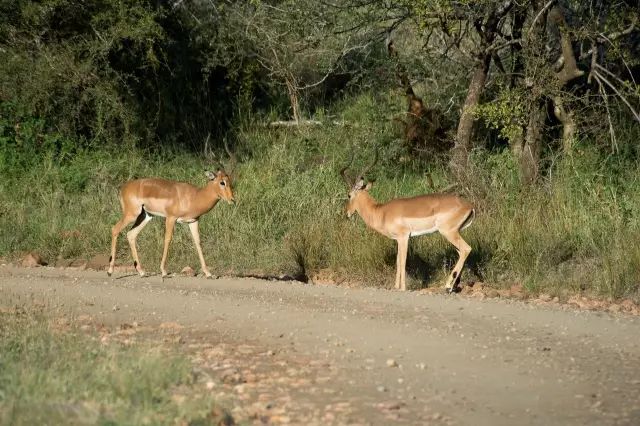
(144, 199)
(403, 218)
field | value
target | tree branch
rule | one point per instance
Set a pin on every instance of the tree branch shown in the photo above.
(599, 76)
(542, 11)
(569, 69)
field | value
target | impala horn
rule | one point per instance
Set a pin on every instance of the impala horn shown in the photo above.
(233, 160)
(364, 172)
(343, 172)
(210, 156)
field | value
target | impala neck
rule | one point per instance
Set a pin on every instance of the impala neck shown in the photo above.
(368, 210)
(208, 196)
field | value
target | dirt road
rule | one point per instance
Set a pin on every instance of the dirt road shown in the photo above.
(324, 355)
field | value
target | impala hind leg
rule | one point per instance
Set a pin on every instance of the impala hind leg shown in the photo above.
(463, 252)
(170, 223)
(132, 235)
(115, 231)
(195, 233)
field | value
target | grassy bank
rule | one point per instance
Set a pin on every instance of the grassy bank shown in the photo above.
(50, 375)
(578, 231)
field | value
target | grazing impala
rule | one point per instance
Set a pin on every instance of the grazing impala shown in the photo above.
(403, 218)
(143, 199)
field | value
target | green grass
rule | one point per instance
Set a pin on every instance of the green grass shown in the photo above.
(577, 231)
(53, 376)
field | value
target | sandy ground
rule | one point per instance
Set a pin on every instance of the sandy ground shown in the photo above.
(287, 352)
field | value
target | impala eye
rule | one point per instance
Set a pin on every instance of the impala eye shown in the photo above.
(222, 183)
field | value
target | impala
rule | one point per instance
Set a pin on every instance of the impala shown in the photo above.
(403, 218)
(143, 199)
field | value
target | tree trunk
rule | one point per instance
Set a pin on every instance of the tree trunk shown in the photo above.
(464, 135)
(568, 123)
(292, 91)
(527, 150)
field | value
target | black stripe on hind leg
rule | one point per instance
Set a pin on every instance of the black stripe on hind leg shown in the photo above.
(141, 217)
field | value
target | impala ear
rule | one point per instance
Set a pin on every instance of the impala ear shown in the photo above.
(359, 184)
(210, 175)
(368, 186)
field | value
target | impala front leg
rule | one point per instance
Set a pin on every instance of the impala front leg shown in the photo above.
(403, 246)
(168, 234)
(398, 272)
(195, 233)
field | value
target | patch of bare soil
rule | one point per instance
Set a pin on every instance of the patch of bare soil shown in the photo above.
(284, 352)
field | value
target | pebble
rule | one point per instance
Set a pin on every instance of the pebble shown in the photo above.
(391, 363)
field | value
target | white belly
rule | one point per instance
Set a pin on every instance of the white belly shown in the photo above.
(186, 220)
(422, 232)
(179, 220)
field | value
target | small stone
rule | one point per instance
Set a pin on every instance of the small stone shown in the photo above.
(381, 388)
(77, 265)
(210, 385)
(614, 308)
(545, 297)
(421, 366)
(493, 293)
(32, 260)
(98, 263)
(391, 363)
(188, 271)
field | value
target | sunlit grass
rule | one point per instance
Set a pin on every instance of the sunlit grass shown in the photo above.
(575, 231)
(53, 376)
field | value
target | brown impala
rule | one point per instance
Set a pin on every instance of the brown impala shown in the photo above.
(403, 218)
(143, 199)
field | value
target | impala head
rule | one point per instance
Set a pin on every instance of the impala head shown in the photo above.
(221, 183)
(356, 187)
(221, 180)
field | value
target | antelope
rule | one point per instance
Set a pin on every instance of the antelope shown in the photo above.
(181, 202)
(403, 218)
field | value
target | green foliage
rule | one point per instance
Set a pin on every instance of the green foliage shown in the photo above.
(24, 141)
(54, 377)
(112, 72)
(507, 113)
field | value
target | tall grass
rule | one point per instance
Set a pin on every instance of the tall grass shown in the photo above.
(578, 230)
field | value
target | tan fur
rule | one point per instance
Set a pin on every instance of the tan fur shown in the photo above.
(176, 202)
(402, 218)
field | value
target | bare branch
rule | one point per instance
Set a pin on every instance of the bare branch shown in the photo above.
(542, 11)
(612, 132)
(599, 76)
